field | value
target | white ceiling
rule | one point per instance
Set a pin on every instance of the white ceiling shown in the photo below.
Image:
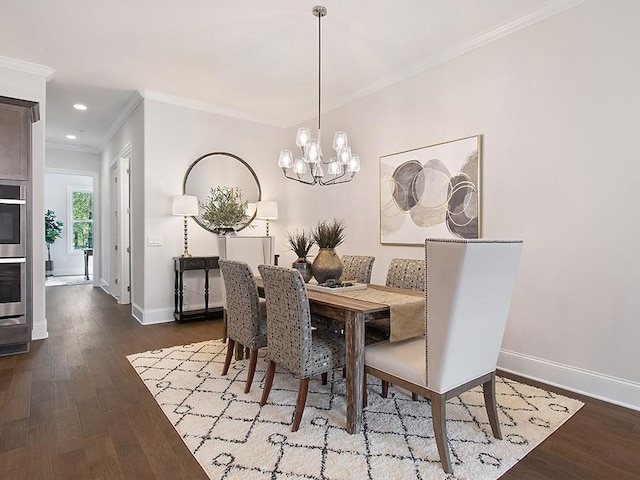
(249, 58)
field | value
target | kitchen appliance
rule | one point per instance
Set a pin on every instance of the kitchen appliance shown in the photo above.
(13, 279)
(13, 219)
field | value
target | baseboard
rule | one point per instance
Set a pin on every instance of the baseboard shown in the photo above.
(39, 331)
(151, 316)
(592, 384)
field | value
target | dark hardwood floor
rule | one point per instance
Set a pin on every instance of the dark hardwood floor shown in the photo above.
(73, 408)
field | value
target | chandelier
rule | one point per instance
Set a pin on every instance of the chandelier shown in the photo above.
(308, 168)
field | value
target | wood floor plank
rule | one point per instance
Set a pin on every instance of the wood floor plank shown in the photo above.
(16, 404)
(102, 459)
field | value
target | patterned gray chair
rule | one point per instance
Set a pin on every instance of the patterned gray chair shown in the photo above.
(357, 268)
(406, 273)
(246, 314)
(292, 344)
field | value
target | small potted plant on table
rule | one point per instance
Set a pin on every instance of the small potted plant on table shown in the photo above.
(301, 243)
(327, 264)
(224, 209)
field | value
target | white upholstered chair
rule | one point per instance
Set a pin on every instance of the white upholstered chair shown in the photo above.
(468, 293)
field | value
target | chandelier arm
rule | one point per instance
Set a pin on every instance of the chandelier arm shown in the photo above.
(306, 182)
(333, 180)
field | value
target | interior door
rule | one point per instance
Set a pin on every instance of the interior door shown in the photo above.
(120, 248)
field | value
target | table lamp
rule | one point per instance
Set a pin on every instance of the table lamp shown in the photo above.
(267, 211)
(187, 206)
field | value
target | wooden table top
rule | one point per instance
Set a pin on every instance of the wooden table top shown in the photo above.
(350, 304)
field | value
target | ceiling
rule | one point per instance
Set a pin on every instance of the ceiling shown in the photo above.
(251, 59)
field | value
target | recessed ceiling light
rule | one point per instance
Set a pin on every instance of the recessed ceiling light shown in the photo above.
(79, 106)
(70, 137)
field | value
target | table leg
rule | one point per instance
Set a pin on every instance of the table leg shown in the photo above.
(354, 346)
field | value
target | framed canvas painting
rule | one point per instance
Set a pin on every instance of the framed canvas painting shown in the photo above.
(432, 191)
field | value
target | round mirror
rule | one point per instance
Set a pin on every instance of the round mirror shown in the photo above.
(221, 169)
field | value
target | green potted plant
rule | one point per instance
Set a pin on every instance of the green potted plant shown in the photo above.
(327, 264)
(301, 243)
(224, 209)
(52, 231)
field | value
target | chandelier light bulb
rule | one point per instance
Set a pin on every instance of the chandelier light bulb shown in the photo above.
(299, 167)
(334, 167)
(303, 137)
(339, 141)
(354, 164)
(286, 159)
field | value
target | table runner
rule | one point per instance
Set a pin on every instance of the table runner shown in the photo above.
(406, 311)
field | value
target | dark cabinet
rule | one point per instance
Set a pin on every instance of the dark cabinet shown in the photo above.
(16, 242)
(15, 138)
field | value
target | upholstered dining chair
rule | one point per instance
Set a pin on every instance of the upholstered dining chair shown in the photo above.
(468, 293)
(292, 344)
(357, 268)
(246, 315)
(406, 273)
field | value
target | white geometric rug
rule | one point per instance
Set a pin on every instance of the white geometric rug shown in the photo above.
(234, 438)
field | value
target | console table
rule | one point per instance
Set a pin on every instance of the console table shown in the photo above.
(180, 265)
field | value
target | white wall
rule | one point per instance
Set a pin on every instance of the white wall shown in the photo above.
(557, 105)
(175, 137)
(57, 190)
(30, 84)
(129, 136)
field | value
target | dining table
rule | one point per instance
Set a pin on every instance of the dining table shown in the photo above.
(354, 313)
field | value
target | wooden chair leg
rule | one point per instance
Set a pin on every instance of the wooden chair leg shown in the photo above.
(224, 326)
(344, 372)
(239, 351)
(414, 396)
(268, 381)
(247, 352)
(227, 359)
(438, 413)
(489, 390)
(325, 378)
(365, 395)
(385, 389)
(253, 360)
(303, 388)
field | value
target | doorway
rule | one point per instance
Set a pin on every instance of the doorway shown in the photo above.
(70, 205)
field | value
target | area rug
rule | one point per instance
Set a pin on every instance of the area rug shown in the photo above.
(234, 438)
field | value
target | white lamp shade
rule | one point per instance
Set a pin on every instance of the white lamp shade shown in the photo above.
(267, 211)
(185, 205)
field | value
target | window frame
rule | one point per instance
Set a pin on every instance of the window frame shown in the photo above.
(71, 220)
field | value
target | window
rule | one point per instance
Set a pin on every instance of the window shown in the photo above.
(81, 219)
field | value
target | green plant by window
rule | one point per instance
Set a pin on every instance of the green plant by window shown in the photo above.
(300, 243)
(224, 208)
(52, 230)
(329, 234)
(82, 219)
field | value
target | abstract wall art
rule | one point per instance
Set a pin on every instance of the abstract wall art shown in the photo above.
(432, 191)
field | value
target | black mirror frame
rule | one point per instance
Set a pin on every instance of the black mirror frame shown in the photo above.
(243, 162)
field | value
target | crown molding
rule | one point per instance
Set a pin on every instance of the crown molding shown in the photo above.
(26, 67)
(205, 107)
(72, 148)
(131, 105)
(463, 47)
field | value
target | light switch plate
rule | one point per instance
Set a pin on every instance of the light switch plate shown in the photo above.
(154, 240)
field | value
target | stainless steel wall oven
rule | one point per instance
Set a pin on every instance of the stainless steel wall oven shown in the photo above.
(13, 291)
(13, 219)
